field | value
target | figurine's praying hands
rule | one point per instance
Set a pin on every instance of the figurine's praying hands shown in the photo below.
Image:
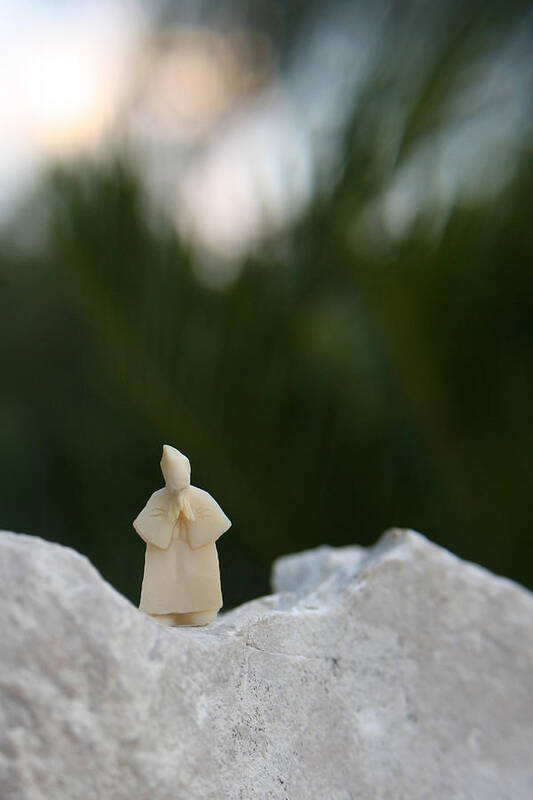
(180, 525)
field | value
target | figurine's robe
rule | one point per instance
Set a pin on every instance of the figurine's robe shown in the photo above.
(181, 572)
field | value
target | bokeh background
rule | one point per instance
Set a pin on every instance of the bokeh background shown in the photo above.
(293, 239)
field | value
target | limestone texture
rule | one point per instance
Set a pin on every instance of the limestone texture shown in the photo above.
(395, 673)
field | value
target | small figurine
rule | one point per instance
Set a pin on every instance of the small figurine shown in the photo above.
(180, 525)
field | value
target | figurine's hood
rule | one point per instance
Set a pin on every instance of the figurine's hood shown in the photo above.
(176, 469)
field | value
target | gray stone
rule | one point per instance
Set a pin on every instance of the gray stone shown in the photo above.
(301, 573)
(399, 673)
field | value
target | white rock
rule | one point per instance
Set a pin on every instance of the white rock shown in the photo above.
(397, 673)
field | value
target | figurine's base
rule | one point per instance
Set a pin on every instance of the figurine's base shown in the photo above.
(191, 619)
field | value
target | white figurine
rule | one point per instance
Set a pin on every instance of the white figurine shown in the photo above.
(180, 524)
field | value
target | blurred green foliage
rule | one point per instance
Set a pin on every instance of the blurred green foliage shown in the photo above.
(327, 394)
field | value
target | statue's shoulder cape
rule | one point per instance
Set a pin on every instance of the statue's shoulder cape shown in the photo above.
(155, 525)
(209, 522)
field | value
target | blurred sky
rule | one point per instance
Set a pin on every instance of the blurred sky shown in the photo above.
(233, 131)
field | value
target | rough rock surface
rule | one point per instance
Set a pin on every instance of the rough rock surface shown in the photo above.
(399, 672)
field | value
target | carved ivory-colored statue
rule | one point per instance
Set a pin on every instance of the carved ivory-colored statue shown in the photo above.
(180, 525)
